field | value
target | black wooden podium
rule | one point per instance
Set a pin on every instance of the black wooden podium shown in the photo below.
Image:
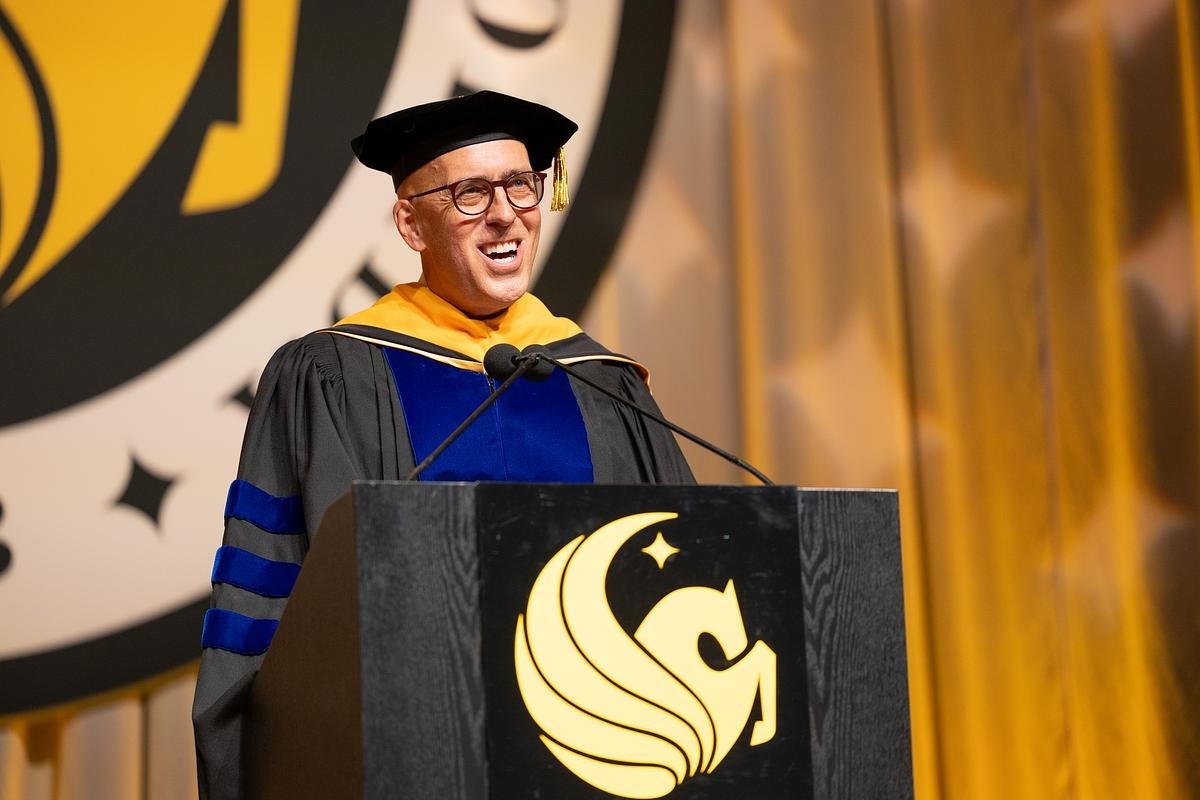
(560, 641)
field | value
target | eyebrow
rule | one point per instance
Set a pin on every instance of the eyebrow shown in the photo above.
(503, 175)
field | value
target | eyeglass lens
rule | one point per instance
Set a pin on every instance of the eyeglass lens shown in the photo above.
(524, 190)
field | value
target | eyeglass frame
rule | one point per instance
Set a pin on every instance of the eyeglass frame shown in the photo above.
(503, 183)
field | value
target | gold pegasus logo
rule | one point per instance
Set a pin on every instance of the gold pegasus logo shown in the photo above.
(636, 716)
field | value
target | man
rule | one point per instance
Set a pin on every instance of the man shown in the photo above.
(375, 394)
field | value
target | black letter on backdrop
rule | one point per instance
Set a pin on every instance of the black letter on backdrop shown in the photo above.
(520, 38)
(366, 276)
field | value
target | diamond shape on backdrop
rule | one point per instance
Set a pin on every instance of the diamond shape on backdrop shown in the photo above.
(938, 190)
(243, 397)
(1124, 524)
(778, 48)
(1161, 265)
(144, 490)
(847, 394)
(1127, 22)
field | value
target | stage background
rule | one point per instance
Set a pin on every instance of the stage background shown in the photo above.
(947, 247)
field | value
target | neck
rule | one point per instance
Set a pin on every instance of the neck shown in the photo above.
(489, 316)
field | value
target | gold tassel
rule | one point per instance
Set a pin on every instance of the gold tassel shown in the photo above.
(560, 197)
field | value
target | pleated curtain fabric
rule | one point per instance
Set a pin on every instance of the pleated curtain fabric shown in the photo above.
(966, 252)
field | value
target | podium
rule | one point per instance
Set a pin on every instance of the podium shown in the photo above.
(576, 641)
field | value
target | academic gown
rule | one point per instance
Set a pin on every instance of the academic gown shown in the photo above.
(330, 409)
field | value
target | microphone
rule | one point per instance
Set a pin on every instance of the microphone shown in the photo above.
(542, 363)
(541, 367)
(501, 362)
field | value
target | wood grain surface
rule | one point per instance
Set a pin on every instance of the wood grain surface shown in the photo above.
(854, 633)
(420, 620)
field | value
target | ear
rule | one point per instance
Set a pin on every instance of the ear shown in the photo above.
(404, 214)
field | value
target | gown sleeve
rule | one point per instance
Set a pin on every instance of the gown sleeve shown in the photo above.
(298, 456)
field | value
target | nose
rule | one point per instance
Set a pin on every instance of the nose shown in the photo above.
(500, 211)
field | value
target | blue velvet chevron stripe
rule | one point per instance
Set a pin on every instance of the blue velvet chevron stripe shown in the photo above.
(228, 630)
(534, 432)
(263, 509)
(253, 573)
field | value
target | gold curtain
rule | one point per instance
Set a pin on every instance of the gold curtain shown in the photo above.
(965, 252)
(134, 744)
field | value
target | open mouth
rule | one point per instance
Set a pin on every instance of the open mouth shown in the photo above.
(501, 252)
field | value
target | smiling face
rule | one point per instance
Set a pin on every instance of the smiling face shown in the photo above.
(482, 263)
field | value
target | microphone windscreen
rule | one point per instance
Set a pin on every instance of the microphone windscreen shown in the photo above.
(500, 361)
(541, 368)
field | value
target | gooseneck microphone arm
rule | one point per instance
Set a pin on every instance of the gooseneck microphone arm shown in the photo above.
(510, 377)
(535, 354)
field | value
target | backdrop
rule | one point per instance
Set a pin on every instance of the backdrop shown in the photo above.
(939, 246)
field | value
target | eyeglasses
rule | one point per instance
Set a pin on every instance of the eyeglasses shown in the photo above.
(474, 195)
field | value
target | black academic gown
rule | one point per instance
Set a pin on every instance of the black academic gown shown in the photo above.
(327, 413)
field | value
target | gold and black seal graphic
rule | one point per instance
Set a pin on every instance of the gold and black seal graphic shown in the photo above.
(29, 153)
(177, 197)
(157, 164)
(636, 716)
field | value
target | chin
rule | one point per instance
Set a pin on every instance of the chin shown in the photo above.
(506, 291)
(501, 301)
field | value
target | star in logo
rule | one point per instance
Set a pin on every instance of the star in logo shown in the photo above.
(660, 550)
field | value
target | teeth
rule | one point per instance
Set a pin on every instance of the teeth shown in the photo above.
(501, 247)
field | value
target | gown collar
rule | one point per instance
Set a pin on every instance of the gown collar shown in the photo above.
(412, 309)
